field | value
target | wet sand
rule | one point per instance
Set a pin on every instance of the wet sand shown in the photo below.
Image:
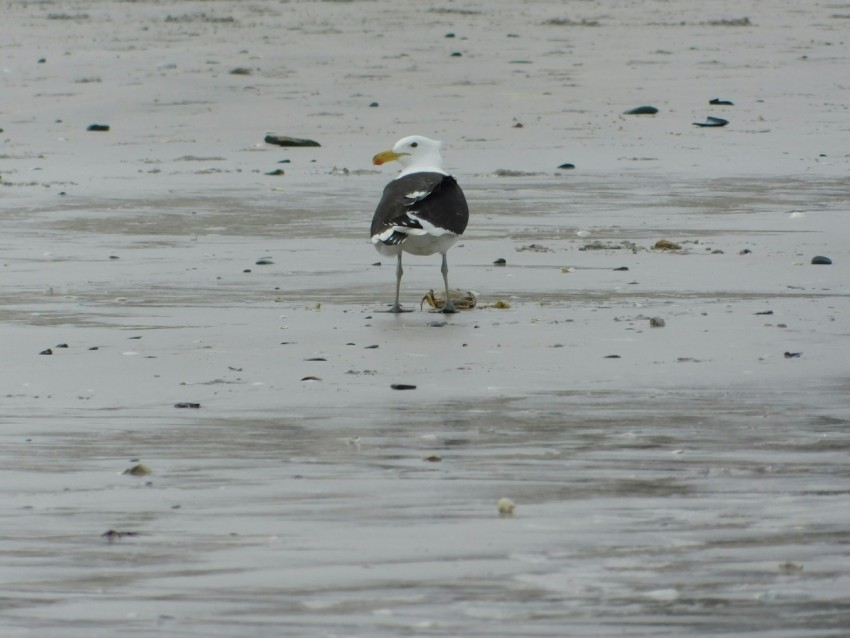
(684, 480)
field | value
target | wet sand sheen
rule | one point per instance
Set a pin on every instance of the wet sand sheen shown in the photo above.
(684, 480)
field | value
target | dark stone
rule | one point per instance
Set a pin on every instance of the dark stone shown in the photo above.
(820, 260)
(567, 166)
(265, 261)
(373, 105)
(719, 102)
(642, 110)
(712, 122)
(48, 351)
(98, 127)
(402, 386)
(276, 172)
(187, 404)
(793, 355)
(457, 54)
(285, 140)
(622, 268)
(501, 261)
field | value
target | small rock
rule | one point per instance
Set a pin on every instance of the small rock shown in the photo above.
(373, 105)
(264, 261)
(187, 404)
(622, 268)
(48, 351)
(567, 166)
(712, 122)
(98, 127)
(719, 102)
(433, 458)
(612, 356)
(276, 172)
(311, 378)
(402, 386)
(61, 345)
(285, 140)
(240, 70)
(657, 322)
(642, 110)
(138, 470)
(113, 535)
(505, 506)
(793, 355)
(501, 261)
(457, 54)
(665, 244)
(820, 260)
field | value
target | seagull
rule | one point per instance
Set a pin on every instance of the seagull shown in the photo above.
(422, 211)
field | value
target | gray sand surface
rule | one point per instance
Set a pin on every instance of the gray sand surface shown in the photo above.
(684, 480)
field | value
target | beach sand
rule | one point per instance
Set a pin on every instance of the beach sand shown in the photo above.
(689, 479)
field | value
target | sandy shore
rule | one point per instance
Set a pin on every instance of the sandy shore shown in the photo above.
(683, 480)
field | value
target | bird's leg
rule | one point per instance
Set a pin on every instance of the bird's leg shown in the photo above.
(399, 271)
(448, 307)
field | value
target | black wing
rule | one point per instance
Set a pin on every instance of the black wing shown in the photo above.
(432, 197)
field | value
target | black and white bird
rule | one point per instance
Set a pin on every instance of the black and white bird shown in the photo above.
(422, 211)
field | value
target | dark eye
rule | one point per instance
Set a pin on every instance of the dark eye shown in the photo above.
(414, 145)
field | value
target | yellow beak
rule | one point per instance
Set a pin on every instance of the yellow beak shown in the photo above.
(386, 156)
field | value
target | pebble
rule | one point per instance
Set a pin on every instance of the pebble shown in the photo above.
(285, 140)
(138, 470)
(113, 535)
(642, 110)
(48, 351)
(666, 244)
(402, 386)
(276, 172)
(712, 122)
(505, 506)
(719, 102)
(820, 260)
(501, 261)
(657, 322)
(98, 127)
(187, 404)
(264, 261)
(793, 355)
(567, 166)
